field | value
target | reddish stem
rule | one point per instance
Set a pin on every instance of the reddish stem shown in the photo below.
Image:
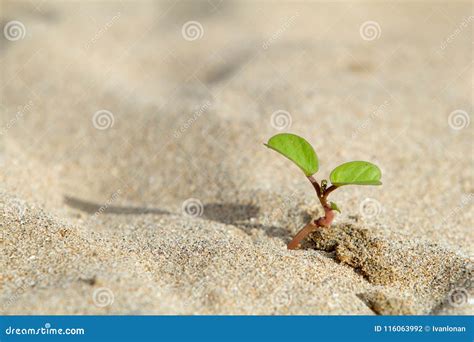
(324, 221)
(327, 219)
(329, 190)
(308, 229)
(316, 185)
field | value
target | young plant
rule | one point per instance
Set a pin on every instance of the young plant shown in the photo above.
(300, 152)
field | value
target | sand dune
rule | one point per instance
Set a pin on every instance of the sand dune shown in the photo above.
(166, 201)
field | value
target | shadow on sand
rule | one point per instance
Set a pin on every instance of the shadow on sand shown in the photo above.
(238, 215)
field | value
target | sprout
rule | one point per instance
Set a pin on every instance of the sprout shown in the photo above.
(300, 152)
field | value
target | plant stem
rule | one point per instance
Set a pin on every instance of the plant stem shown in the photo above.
(322, 195)
(324, 221)
(308, 229)
(316, 185)
(329, 190)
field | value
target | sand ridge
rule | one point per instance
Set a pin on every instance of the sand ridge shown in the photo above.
(96, 216)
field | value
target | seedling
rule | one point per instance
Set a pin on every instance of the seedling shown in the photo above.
(300, 152)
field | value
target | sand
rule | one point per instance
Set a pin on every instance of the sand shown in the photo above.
(170, 204)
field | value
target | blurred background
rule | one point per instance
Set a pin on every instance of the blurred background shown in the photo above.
(115, 113)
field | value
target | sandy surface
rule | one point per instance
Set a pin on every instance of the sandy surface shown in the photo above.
(92, 218)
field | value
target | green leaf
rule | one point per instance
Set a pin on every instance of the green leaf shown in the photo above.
(335, 207)
(356, 172)
(296, 149)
